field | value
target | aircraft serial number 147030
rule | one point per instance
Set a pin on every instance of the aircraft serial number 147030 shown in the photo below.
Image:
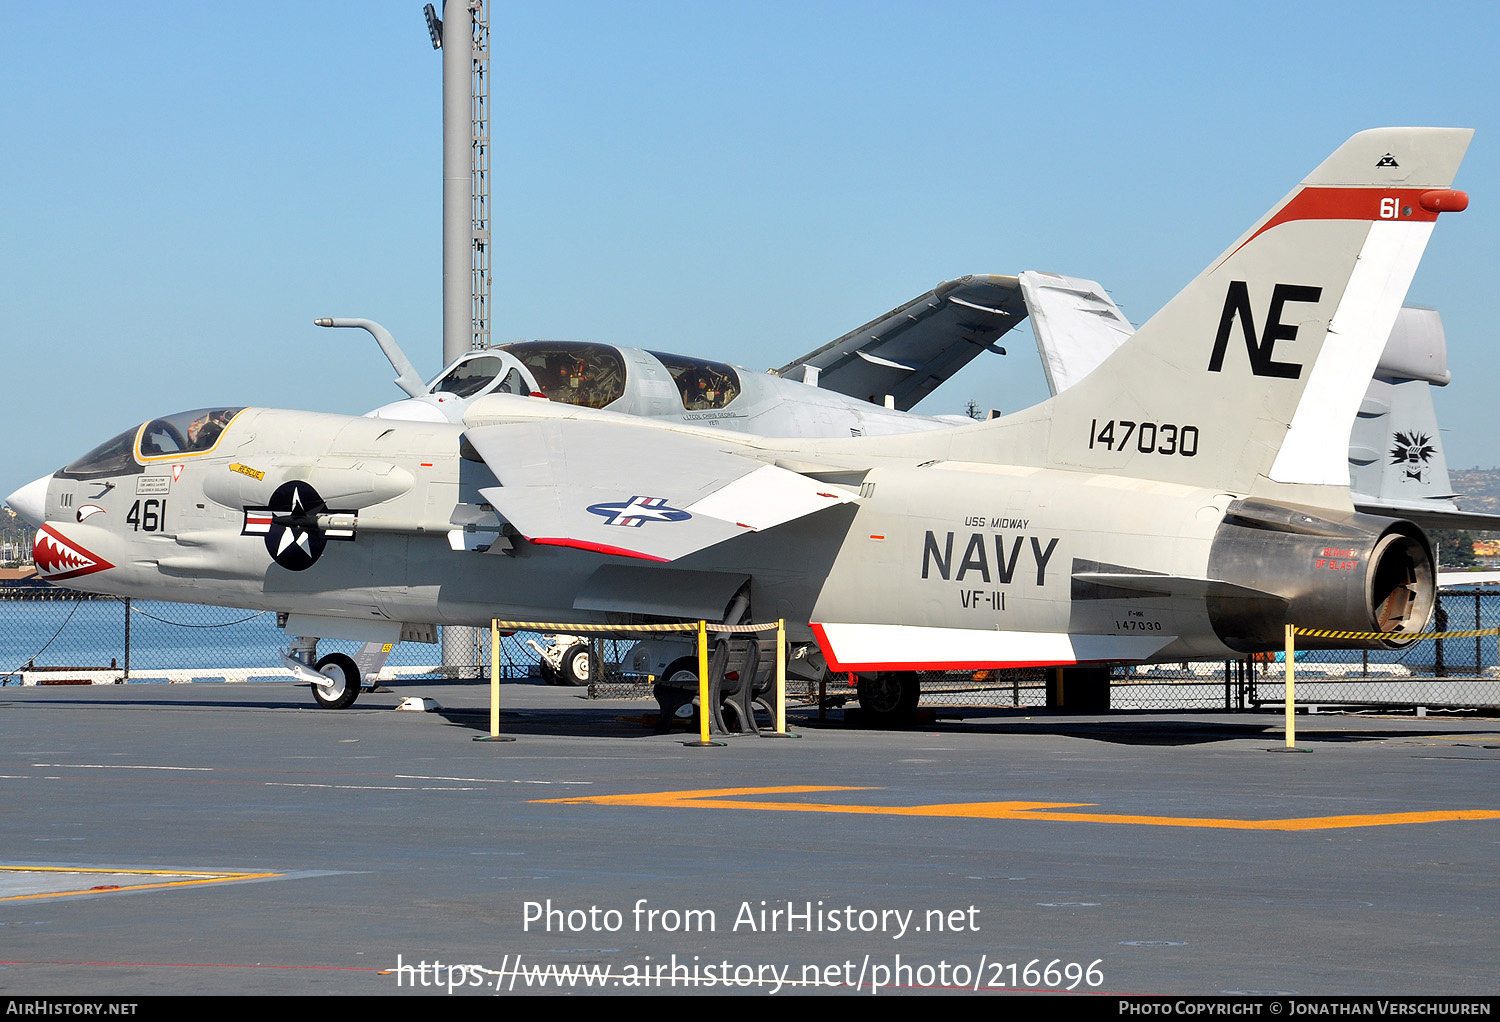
(1183, 501)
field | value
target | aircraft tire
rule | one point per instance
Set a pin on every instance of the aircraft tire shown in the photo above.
(675, 691)
(549, 673)
(889, 699)
(344, 675)
(576, 666)
(682, 671)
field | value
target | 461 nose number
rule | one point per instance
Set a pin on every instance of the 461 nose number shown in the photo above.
(148, 517)
(1144, 437)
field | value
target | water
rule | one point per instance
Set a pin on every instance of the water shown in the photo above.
(90, 633)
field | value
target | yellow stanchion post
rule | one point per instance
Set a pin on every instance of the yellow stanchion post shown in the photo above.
(703, 704)
(781, 676)
(1291, 685)
(494, 735)
(704, 696)
(703, 682)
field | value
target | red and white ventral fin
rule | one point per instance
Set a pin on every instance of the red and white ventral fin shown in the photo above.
(864, 647)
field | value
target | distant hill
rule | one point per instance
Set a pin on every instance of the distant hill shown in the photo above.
(1480, 488)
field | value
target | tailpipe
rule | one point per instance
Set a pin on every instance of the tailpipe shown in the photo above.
(1321, 570)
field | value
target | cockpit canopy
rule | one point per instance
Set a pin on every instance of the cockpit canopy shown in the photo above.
(580, 373)
(183, 435)
(702, 384)
(573, 372)
(473, 373)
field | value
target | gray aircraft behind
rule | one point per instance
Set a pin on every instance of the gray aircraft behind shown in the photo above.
(1185, 501)
(862, 384)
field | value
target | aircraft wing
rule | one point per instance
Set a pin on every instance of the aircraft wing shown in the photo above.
(913, 348)
(1445, 515)
(1076, 324)
(635, 490)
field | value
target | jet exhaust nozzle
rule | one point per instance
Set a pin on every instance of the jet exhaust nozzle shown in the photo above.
(1325, 571)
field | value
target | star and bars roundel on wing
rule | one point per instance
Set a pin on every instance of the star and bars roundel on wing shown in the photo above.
(637, 511)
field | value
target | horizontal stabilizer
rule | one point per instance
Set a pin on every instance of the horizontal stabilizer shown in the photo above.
(1455, 579)
(1429, 517)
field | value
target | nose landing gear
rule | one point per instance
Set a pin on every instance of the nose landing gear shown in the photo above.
(342, 685)
(334, 679)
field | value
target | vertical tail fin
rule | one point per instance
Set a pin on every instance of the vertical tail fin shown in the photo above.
(1252, 374)
(1396, 462)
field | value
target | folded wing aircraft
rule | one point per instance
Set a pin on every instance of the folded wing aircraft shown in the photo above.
(909, 351)
(862, 384)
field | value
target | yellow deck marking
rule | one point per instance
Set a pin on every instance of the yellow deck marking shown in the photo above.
(195, 878)
(724, 798)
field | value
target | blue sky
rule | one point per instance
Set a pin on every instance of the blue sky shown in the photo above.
(186, 186)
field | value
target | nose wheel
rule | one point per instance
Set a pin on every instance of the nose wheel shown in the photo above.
(576, 666)
(342, 686)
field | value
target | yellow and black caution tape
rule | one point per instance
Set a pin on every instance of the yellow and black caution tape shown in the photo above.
(1320, 633)
(575, 629)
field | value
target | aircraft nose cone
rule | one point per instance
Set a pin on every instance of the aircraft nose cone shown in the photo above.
(30, 501)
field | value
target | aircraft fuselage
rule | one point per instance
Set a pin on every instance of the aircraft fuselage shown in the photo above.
(351, 521)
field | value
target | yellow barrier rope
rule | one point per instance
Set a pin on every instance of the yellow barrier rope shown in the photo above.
(701, 627)
(1291, 657)
(576, 629)
(1323, 634)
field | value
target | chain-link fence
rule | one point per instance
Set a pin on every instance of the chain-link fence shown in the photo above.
(52, 636)
(1441, 673)
(47, 634)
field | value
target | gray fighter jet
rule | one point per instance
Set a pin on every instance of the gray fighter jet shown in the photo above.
(1184, 501)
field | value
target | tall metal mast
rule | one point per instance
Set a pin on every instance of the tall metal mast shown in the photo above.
(479, 178)
(463, 34)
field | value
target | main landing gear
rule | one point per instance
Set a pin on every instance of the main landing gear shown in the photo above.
(889, 699)
(565, 660)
